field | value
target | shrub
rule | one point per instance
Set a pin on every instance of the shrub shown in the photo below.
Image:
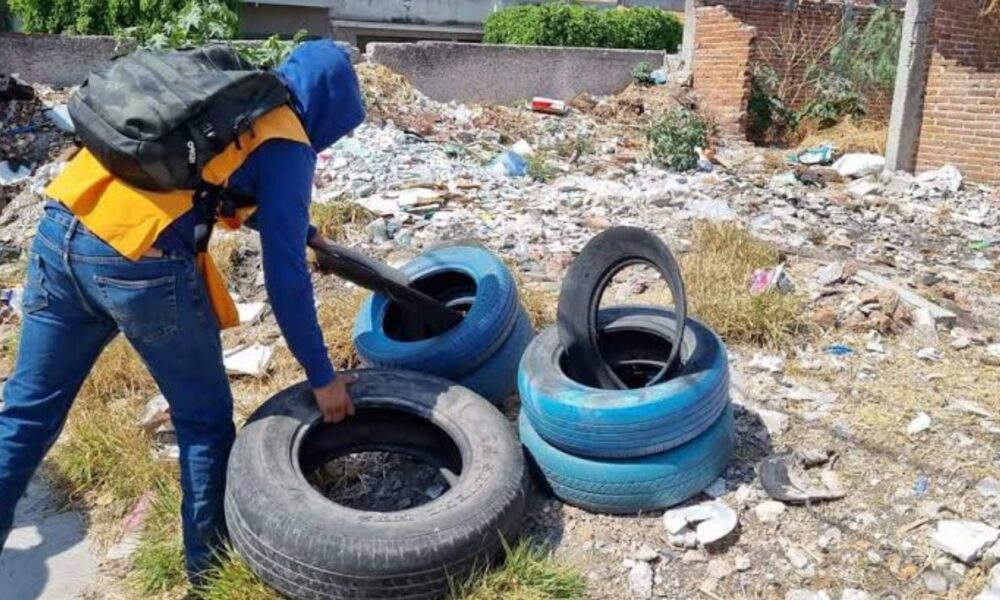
(673, 139)
(97, 17)
(570, 24)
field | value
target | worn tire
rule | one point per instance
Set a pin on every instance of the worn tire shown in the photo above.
(306, 546)
(633, 485)
(460, 354)
(580, 296)
(610, 423)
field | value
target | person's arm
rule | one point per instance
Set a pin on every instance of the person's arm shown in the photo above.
(283, 183)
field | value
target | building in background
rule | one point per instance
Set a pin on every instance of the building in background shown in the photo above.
(360, 22)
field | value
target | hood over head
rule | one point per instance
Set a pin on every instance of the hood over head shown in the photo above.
(324, 90)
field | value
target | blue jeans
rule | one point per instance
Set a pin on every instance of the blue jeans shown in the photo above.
(78, 295)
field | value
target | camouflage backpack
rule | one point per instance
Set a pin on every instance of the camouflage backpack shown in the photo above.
(155, 117)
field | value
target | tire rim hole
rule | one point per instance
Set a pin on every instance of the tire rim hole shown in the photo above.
(635, 356)
(455, 289)
(380, 460)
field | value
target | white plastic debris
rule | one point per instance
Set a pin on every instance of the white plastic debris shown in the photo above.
(945, 179)
(59, 115)
(156, 413)
(964, 540)
(770, 363)
(250, 311)
(859, 165)
(711, 521)
(10, 176)
(921, 423)
(248, 360)
(929, 354)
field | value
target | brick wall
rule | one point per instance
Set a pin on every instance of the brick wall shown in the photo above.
(961, 113)
(780, 37)
(723, 46)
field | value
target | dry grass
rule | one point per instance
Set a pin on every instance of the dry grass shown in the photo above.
(104, 454)
(849, 135)
(382, 90)
(222, 248)
(333, 219)
(716, 270)
(336, 318)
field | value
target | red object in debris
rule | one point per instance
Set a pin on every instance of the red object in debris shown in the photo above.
(548, 105)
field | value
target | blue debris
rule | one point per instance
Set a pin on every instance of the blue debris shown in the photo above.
(838, 350)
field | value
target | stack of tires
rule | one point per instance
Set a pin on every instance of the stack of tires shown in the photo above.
(658, 437)
(481, 353)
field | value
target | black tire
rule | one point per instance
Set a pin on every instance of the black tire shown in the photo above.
(579, 299)
(307, 547)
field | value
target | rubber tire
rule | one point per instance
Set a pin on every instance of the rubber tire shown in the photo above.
(604, 423)
(306, 546)
(460, 354)
(633, 485)
(496, 379)
(579, 298)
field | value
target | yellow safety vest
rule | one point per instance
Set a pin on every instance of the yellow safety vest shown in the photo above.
(130, 219)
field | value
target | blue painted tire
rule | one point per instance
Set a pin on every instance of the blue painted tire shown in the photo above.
(605, 423)
(633, 485)
(481, 352)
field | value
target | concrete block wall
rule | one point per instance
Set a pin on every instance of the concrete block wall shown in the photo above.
(721, 75)
(961, 112)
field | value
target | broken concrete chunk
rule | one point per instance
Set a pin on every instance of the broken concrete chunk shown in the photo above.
(939, 314)
(797, 556)
(711, 521)
(830, 274)
(646, 554)
(640, 580)
(807, 595)
(969, 407)
(769, 511)
(965, 540)
(919, 424)
(776, 422)
(252, 360)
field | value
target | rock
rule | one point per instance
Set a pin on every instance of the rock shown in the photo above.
(874, 557)
(742, 563)
(640, 580)
(830, 274)
(920, 423)
(769, 363)
(717, 489)
(862, 187)
(769, 511)
(719, 568)
(988, 487)
(852, 594)
(935, 581)
(965, 540)
(807, 595)
(969, 407)
(712, 521)
(929, 354)
(777, 423)
(829, 538)
(646, 554)
(797, 556)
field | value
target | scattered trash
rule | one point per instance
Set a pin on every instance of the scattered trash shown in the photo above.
(250, 360)
(859, 165)
(817, 155)
(965, 540)
(988, 487)
(972, 408)
(155, 414)
(712, 521)
(10, 303)
(771, 363)
(12, 88)
(945, 179)
(921, 486)
(784, 478)
(659, 77)
(548, 105)
(980, 245)
(509, 163)
(919, 424)
(831, 274)
(771, 279)
(838, 350)
(11, 175)
(929, 354)
(713, 210)
(939, 314)
(862, 187)
(59, 116)
(250, 311)
(717, 489)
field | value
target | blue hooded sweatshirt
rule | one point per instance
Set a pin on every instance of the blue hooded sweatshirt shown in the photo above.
(279, 174)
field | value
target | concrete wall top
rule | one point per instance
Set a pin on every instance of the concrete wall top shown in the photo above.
(451, 12)
(500, 74)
